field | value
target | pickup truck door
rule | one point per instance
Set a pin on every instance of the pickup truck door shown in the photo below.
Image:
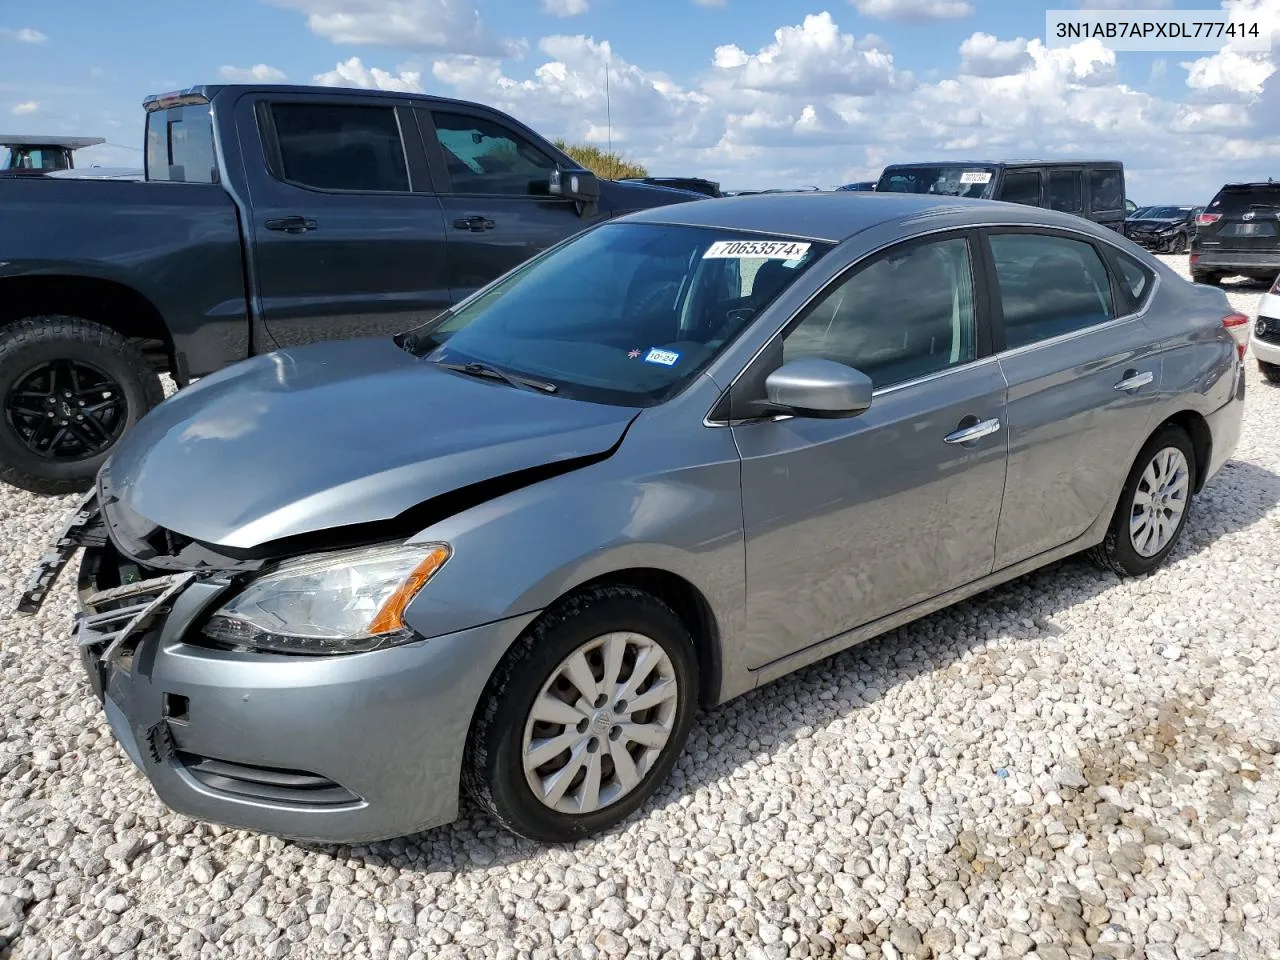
(346, 235)
(497, 209)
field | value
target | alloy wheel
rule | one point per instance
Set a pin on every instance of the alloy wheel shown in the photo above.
(66, 410)
(1159, 502)
(599, 723)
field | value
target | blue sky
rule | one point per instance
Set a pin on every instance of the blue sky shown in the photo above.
(752, 93)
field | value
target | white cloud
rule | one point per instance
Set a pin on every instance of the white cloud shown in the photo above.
(258, 73)
(1125, 4)
(442, 26)
(25, 108)
(564, 8)
(353, 73)
(813, 58)
(1229, 70)
(22, 35)
(914, 9)
(983, 55)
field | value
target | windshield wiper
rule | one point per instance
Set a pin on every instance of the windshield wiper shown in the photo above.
(493, 373)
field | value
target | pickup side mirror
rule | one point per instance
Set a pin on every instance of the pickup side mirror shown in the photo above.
(814, 387)
(580, 186)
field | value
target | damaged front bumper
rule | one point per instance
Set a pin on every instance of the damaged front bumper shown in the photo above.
(331, 748)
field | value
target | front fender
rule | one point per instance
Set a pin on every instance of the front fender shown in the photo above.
(520, 552)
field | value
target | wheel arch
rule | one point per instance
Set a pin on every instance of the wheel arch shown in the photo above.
(114, 305)
(1195, 426)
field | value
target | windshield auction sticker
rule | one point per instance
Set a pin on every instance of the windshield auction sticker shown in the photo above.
(764, 249)
(975, 176)
(1129, 30)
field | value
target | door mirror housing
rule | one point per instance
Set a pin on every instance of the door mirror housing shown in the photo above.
(814, 387)
(580, 186)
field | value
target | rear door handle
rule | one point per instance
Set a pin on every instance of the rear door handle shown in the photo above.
(474, 224)
(1133, 380)
(977, 431)
(291, 224)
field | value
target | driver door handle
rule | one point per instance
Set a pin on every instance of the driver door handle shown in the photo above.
(291, 224)
(984, 428)
(474, 224)
(1133, 380)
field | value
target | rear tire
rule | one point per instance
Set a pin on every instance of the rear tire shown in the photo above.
(1212, 279)
(70, 390)
(536, 701)
(1154, 492)
(1269, 371)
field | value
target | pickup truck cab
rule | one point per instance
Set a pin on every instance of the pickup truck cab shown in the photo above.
(269, 216)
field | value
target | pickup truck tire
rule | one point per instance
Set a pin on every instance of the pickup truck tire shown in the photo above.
(70, 389)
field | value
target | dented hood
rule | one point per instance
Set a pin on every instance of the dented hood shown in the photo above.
(336, 434)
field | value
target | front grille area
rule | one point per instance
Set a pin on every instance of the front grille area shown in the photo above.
(266, 783)
(1267, 330)
(113, 620)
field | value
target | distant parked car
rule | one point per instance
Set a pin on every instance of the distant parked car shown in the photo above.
(1238, 234)
(1093, 189)
(22, 155)
(696, 184)
(1163, 229)
(1265, 341)
(862, 186)
(512, 552)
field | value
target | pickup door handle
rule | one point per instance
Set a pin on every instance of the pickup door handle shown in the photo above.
(474, 224)
(1133, 380)
(976, 431)
(291, 224)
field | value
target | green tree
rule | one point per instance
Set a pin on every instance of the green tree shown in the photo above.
(606, 165)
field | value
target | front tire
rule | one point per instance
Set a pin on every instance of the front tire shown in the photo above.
(1153, 508)
(584, 717)
(70, 390)
(1178, 245)
(1270, 371)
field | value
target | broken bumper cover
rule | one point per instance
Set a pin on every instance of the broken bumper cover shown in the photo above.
(334, 749)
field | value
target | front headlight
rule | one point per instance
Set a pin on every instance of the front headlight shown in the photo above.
(347, 602)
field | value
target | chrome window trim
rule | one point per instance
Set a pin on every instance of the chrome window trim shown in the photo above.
(1143, 308)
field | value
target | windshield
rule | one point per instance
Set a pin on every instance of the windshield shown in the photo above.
(947, 181)
(1166, 213)
(626, 314)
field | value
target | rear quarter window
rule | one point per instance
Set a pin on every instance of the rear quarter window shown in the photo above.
(1136, 278)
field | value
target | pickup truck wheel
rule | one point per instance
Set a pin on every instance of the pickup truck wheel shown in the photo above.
(70, 388)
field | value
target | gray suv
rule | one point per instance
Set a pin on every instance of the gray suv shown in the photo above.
(674, 458)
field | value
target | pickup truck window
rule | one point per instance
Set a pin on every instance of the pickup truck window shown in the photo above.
(488, 158)
(340, 147)
(180, 145)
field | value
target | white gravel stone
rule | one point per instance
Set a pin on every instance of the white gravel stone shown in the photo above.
(1030, 772)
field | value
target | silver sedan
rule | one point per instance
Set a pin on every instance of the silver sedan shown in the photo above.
(681, 454)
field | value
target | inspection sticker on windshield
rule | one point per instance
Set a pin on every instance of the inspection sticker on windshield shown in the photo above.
(976, 176)
(667, 358)
(766, 249)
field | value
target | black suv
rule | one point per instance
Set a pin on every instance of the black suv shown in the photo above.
(1238, 234)
(1093, 189)
(1163, 229)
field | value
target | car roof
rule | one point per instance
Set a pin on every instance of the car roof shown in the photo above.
(1006, 163)
(833, 216)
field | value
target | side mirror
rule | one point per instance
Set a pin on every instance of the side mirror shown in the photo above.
(813, 387)
(581, 186)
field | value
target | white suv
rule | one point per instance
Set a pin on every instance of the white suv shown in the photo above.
(1265, 340)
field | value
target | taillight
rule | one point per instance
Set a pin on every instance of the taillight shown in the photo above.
(1207, 219)
(1275, 287)
(1237, 324)
(1195, 258)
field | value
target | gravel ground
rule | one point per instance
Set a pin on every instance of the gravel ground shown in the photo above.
(1070, 765)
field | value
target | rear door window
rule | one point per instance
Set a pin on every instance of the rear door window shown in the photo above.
(340, 147)
(1066, 191)
(1022, 186)
(1050, 285)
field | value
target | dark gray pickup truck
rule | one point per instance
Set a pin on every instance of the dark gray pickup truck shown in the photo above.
(270, 216)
